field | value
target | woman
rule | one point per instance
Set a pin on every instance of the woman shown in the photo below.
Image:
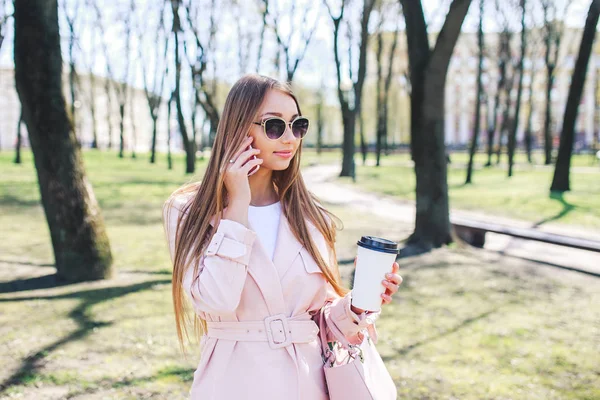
(266, 264)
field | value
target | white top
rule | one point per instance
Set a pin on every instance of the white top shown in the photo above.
(265, 222)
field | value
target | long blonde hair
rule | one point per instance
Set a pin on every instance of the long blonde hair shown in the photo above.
(208, 198)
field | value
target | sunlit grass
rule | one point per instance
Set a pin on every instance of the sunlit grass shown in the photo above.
(465, 324)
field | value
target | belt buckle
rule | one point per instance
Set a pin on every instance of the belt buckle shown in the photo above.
(284, 327)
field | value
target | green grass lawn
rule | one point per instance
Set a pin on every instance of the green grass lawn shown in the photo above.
(524, 196)
(466, 324)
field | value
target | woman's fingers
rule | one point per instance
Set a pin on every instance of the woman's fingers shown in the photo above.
(243, 158)
(392, 283)
(243, 147)
(250, 164)
(386, 299)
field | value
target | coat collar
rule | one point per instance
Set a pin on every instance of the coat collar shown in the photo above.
(267, 273)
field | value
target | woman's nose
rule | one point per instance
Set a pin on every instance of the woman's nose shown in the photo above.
(288, 134)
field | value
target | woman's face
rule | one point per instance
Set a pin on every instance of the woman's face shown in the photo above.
(275, 104)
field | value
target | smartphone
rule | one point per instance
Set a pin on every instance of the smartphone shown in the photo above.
(253, 170)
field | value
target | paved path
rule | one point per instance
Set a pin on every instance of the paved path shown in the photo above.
(321, 181)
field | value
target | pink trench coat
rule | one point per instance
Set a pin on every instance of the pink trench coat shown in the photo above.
(243, 295)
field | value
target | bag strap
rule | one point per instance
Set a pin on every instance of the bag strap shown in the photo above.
(324, 323)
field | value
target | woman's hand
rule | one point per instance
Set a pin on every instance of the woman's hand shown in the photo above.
(391, 282)
(236, 173)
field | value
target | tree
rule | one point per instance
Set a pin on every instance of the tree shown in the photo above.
(503, 86)
(108, 80)
(17, 159)
(428, 69)
(473, 147)
(4, 16)
(553, 32)
(384, 80)
(512, 139)
(560, 181)
(301, 34)
(203, 56)
(157, 63)
(533, 56)
(350, 97)
(190, 158)
(91, 61)
(81, 246)
(122, 88)
(71, 19)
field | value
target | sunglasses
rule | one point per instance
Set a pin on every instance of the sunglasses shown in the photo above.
(274, 127)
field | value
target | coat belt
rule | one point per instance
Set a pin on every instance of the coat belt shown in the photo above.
(278, 330)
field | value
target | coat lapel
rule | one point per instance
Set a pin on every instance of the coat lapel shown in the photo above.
(287, 247)
(267, 273)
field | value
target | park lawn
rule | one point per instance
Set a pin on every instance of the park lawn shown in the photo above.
(461, 158)
(466, 324)
(525, 196)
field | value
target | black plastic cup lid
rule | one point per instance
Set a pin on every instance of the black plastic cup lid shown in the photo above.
(378, 244)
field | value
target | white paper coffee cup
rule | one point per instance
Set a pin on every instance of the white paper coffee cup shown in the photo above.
(375, 258)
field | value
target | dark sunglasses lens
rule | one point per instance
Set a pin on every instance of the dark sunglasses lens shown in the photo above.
(274, 128)
(300, 127)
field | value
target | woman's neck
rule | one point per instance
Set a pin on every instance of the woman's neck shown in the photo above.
(262, 189)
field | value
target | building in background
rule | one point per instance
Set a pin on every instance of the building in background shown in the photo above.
(459, 112)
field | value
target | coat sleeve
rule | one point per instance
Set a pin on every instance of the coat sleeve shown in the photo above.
(214, 284)
(347, 321)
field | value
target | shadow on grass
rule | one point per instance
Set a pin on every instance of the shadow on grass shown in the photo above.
(33, 264)
(167, 373)
(16, 201)
(184, 374)
(80, 314)
(567, 208)
(405, 350)
(39, 282)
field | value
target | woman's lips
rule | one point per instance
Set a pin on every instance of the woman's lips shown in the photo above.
(284, 154)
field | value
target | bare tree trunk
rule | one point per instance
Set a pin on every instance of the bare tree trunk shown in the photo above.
(194, 114)
(350, 113)
(122, 99)
(479, 95)
(109, 108)
(319, 120)
(386, 92)
(363, 142)
(493, 123)
(153, 142)
(503, 54)
(93, 110)
(506, 119)
(379, 93)
(560, 182)
(108, 80)
(72, 72)
(123, 87)
(596, 117)
(133, 127)
(261, 42)
(512, 139)
(169, 158)
(81, 246)
(528, 135)
(553, 30)
(187, 144)
(428, 77)
(206, 94)
(548, 116)
(19, 140)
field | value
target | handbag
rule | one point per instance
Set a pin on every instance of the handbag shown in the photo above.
(353, 372)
